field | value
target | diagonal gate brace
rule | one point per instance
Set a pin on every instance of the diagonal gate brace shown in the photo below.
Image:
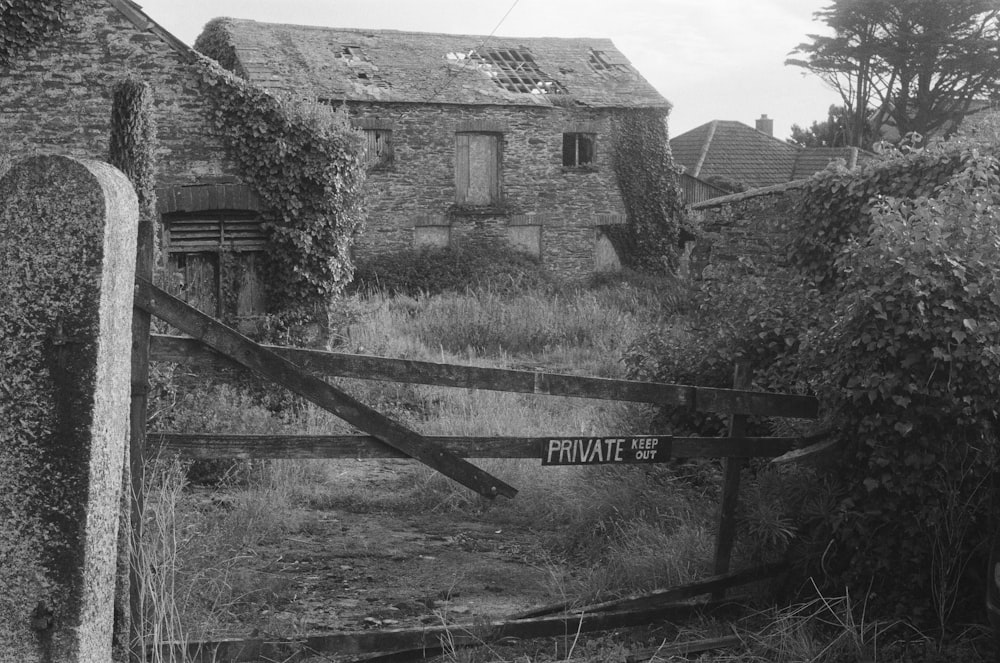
(269, 365)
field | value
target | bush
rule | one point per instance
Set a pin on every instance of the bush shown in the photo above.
(495, 267)
(911, 355)
(901, 342)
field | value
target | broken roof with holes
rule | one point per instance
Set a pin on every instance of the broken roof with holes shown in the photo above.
(395, 66)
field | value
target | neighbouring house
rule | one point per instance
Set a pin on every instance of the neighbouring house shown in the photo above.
(468, 137)
(723, 157)
(56, 100)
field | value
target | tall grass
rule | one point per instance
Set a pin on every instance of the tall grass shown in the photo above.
(631, 528)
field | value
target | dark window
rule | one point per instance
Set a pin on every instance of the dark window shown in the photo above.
(578, 149)
(477, 168)
(378, 148)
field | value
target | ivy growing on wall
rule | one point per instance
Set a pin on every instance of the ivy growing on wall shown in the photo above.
(303, 160)
(646, 178)
(26, 23)
(838, 204)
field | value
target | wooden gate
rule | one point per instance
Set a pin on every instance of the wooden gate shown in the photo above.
(209, 342)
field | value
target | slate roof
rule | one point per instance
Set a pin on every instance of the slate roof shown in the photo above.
(729, 149)
(740, 153)
(396, 66)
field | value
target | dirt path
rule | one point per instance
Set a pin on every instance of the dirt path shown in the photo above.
(350, 570)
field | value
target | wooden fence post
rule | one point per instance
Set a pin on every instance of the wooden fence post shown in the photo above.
(731, 482)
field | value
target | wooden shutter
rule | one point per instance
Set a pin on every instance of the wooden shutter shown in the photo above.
(477, 169)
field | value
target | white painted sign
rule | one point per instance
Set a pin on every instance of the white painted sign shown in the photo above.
(605, 450)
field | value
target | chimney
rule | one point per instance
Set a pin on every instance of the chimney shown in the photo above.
(765, 125)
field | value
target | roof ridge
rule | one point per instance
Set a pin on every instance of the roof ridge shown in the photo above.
(605, 40)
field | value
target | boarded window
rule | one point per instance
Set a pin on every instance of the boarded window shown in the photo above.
(477, 168)
(378, 148)
(527, 238)
(578, 149)
(432, 237)
(213, 263)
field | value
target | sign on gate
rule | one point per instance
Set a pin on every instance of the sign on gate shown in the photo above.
(606, 450)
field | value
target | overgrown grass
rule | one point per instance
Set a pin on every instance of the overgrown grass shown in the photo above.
(624, 529)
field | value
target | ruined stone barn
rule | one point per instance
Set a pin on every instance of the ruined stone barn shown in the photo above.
(468, 137)
(56, 100)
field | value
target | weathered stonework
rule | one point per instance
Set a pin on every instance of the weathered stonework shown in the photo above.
(567, 203)
(751, 225)
(58, 100)
(67, 264)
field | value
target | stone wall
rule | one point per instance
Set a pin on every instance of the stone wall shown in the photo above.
(57, 99)
(417, 191)
(751, 225)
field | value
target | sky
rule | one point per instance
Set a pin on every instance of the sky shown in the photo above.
(713, 59)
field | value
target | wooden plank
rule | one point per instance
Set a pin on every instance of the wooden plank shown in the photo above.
(277, 369)
(818, 451)
(684, 648)
(337, 364)
(462, 180)
(730, 485)
(668, 595)
(387, 640)
(207, 446)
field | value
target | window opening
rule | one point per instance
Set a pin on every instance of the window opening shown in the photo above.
(578, 149)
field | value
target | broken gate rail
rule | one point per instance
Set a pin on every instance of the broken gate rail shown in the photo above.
(336, 364)
(269, 365)
(667, 605)
(209, 446)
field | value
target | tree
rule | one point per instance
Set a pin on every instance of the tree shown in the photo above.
(917, 64)
(831, 132)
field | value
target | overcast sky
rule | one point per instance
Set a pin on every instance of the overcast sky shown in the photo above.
(713, 59)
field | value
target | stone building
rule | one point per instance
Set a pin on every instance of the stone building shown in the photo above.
(468, 137)
(57, 100)
(508, 139)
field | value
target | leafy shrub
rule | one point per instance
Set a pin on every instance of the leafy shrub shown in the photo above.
(911, 355)
(495, 267)
(901, 342)
(839, 203)
(743, 315)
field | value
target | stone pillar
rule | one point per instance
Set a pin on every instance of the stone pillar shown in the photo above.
(67, 261)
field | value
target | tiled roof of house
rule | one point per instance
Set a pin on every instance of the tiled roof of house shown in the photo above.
(739, 153)
(736, 152)
(394, 66)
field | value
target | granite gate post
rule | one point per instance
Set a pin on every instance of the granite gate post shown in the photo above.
(67, 263)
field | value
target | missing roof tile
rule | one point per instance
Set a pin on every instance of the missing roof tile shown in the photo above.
(604, 62)
(513, 69)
